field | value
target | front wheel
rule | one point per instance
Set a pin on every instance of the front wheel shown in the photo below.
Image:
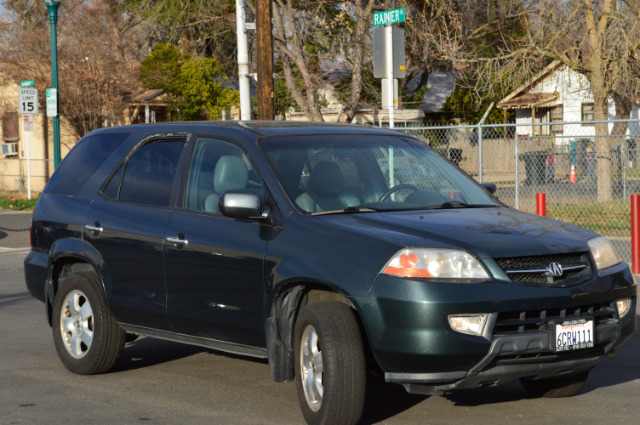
(329, 364)
(565, 386)
(86, 336)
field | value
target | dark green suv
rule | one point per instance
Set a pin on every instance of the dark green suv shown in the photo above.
(331, 250)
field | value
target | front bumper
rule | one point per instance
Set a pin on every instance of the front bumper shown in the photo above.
(518, 356)
(406, 325)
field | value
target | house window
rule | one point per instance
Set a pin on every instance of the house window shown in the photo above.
(10, 127)
(556, 115)
(587, 112)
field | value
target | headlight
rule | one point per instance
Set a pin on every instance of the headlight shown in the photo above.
(603, 253)
(435, 262)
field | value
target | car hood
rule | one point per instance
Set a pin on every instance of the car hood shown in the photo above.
(495, 232)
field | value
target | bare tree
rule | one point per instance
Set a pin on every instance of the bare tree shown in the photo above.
(355, 54)
(98, 57)
(294, 38)
(597, 38)
(315, 38)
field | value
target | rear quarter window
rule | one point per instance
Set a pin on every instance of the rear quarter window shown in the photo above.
(82, 161)
(149, 174)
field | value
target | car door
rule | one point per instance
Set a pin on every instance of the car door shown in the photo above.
(126, 226)
(214, 264)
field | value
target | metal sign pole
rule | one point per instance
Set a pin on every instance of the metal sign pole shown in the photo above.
(388, 44)
(28, 107)
(28, 167)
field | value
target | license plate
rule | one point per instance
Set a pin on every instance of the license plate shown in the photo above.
(574, 335)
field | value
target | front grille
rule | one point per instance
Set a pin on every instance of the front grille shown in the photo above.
(540, 320)
(534, 270)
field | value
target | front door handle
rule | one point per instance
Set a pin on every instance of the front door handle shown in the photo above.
(177, 240)
(94, 229)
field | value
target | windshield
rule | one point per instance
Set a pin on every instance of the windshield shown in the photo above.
(356, 173)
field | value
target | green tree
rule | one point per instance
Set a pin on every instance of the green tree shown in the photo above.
(161, 68)
(195, 85)
(204, 28)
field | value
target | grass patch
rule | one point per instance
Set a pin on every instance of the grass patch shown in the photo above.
(610, 219)
(505, 183)
(16, 203)
(633, 173)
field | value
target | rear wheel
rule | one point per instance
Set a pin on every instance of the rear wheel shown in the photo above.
(565, 386)
(86, 336)
(329, 364)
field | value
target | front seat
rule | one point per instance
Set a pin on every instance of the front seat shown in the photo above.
(230, 173)
(325, 190)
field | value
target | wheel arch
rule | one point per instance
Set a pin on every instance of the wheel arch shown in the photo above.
(70, 256)
(280, 324)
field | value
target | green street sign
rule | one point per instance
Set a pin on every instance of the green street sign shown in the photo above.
(52, 102)
(388, 17)
(28, 83)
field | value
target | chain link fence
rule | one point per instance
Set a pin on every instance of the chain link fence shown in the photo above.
(555, 158)
(559, 159)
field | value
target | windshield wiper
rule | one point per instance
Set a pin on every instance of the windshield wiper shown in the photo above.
(457, 204)
(348, 210)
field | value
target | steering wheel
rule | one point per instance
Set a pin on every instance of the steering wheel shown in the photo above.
(396, 188)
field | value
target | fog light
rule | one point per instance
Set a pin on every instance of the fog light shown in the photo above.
(470, 324)
(623, 305)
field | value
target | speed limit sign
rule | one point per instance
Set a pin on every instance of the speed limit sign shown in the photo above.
(28, 101)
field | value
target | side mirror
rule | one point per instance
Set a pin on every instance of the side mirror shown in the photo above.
(242, 204)
(490, 187)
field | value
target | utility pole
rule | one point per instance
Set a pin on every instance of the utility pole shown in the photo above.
(265, 60)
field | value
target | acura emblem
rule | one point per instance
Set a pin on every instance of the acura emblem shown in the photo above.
(554, 269)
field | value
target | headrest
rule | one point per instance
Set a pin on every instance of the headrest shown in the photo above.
(231, 173)
(326, 179)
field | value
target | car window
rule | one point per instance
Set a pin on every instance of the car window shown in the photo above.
(149, 174)
(352, 172)
(112, 188)
(217, 166)
(406, 167)
(82, 161)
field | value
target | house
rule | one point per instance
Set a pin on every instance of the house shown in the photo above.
(148, 106)
(558, 94)
(27, 156)
(333, 111)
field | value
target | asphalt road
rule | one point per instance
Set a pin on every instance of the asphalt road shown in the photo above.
(159, 382)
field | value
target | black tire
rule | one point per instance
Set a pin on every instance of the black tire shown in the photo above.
(331, 331)
(565, 386)
(86, 336)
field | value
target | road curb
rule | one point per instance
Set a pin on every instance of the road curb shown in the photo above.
(14, 250)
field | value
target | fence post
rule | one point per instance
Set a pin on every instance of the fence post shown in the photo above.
(541, 204)
(635, 234)
(479, 153)
(517, 188)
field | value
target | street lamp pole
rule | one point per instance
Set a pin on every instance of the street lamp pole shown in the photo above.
(53, 19)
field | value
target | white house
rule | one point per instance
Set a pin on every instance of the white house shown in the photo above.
(558, 94)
